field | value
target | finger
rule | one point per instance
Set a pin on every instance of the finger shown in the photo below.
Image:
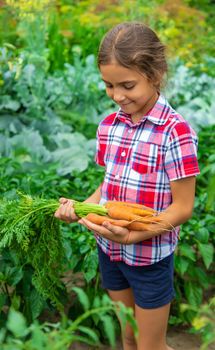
(57, 214)
(68, 209)
(66, 200)
(63, 200)
(102, 231)
(117, 230)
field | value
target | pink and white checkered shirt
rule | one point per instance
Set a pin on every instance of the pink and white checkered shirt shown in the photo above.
(140, 160)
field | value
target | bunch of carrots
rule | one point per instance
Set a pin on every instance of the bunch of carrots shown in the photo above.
(130, 215)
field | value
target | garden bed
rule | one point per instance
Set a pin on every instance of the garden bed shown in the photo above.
(178, 339)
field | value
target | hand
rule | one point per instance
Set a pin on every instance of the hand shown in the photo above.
(66, 211)
(107, 230)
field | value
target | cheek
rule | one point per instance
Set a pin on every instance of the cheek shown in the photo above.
(109, 93)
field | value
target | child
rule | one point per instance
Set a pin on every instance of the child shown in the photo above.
(149, 153)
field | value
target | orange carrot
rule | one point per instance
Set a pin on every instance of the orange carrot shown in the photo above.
(121, 213)
(99, 219)
(108, 204)
(138, 226)
(138, 223)
(139, 212)
(132, 210)
(148, 219)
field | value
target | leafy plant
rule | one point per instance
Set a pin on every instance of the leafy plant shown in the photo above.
(204, 323)
(194, 260)
(18, 335)
(192, 94)
(51, 92)
(32, 235)
(58, 111)
(17, 284)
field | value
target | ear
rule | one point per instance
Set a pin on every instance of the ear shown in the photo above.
(157, 82)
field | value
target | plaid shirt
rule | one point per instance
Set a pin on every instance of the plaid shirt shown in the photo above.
(140, 160)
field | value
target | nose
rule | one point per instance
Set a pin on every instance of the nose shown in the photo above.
(118, 96)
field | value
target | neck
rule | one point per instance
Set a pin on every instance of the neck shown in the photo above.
(146, 108)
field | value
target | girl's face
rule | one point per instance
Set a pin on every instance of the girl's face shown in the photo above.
(130, 89)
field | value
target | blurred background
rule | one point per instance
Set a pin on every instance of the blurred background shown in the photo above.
(51, 101)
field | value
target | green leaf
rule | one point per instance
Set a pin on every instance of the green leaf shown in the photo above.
(106, 300)
(16, 302)
(181, 264)
(37, 303)
(38, 337)
(16, 323)
(92, 334)
(3, 299)
(186, 250)
(109, 329)
(126, 315)
(68, 160)
(23, 146)
(69, 145)
(15, 275)
(83, 298)
(90, 266)
(202, 235)
(202, 277)
(9, 104)
(193, 293)
(96, 302)
(210, 191)
(207, 251)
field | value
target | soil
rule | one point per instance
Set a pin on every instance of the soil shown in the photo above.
(176, 338)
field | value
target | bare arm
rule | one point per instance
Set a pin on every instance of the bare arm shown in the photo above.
(95, 197)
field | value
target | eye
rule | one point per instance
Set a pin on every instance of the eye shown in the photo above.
(108, 86)
(129, 87)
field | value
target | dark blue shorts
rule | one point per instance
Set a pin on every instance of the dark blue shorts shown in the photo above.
(152, 285)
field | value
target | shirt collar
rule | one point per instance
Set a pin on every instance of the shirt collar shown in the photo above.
(159, 113)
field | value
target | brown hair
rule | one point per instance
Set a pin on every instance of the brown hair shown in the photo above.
(134, 45)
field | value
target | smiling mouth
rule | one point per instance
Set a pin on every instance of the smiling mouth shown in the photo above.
(125, 104)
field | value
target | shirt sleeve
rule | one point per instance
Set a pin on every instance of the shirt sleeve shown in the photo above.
(100, 149)
(181, 156)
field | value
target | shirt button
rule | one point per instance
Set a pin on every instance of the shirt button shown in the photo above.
(117, 176)
(130, 131)
(123, 154)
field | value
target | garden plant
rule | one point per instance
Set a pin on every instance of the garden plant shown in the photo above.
(51, 101)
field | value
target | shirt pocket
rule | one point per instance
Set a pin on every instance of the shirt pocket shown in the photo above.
(145, 158)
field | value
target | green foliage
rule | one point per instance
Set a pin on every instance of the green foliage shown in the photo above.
(64, 24)
(17, 335)
(192, 94)
(194, 260)
(82, 255)
(32, 235)
(48, 111)
(206, 156)
(77, 246)
(84, 23)
(29, 228)
(51, 92)
(204, 321)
